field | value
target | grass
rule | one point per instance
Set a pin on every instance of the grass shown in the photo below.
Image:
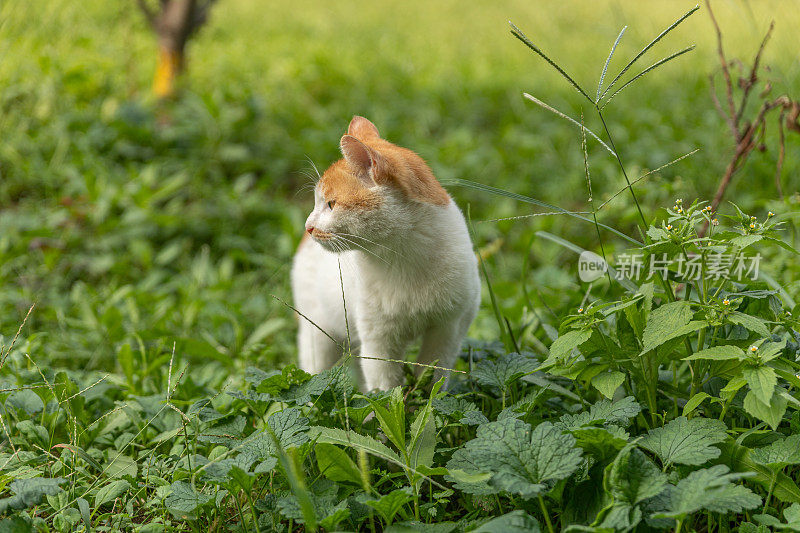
(152, 248)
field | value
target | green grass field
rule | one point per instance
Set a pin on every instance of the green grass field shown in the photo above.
(154, 238)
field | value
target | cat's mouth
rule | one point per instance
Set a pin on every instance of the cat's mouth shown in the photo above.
(320, 235)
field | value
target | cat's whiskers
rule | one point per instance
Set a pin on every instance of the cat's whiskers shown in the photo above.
(354, 243)
(373, 242)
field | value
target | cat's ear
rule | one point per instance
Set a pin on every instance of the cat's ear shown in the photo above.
(363, 159)
(362, 129)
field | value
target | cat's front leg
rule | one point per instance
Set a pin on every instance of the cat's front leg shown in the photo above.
(377, 348)
(442, 343)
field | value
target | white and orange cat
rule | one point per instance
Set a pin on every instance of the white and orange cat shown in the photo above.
(408, 270)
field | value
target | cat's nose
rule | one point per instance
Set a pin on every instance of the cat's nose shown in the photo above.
(310, 229)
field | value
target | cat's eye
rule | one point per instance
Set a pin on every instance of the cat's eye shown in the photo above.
(331, 203)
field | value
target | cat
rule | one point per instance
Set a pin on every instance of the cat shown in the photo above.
(386, 260)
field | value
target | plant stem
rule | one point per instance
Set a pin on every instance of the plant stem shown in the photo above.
(771, 488)
(546, 514)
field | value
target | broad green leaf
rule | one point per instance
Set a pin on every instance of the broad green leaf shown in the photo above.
(779, 454)
(602, 443)
(351, 439)
(513, 522)
(633, 478)
(325, 506)
(120, 465)
(390, 504)
(184, 501)
(694, 402)
(771, 412)
(521, 461)
(125, 358)
(750, 322)
(423, 432)
(618, 412)
(502, 372)
(743, 241)
(25, 400)
(711, 489)
(29, 492)
(718, 353)
(335, 464)
(111, 492)
(738, 458)
(762, 381)
(288, 426)
(565, 343)
(664, 322)
(392, 417)
(684, 441)
(733, 386)
(749, 527)
(608, 382)
(337, 380)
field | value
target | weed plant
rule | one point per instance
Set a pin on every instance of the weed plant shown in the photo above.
(664, 401)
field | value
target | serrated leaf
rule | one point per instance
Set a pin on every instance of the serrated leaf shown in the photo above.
(601, 443)
(762, 381)
(618, 412)
(390, 504)
(29, 492)
(718, 353)
(684, 441)
(738, 458)
(633, 478)
(111, 492)
(352, 439)
(521, 461)
(711, 489)
(565, 343)
(743, 241)
(25, 400)
(779, 454)
(694, 402)
(183, 502)
(771, 413)
(513, 522)
(337, 380)
(503, 371)
(335, 464)
(749, 322)
(664, 322)
(392, 416)
(608, 382)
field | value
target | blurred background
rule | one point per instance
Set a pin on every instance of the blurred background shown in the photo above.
(142, 215)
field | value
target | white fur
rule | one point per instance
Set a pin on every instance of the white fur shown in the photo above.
(411, 274)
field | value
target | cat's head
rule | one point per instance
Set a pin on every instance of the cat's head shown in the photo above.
(372, 194)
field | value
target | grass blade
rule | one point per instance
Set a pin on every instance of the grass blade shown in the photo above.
(648, 69)
(643, 176)
(591, 195)
(649, 46)
(506, 333)
(568, 118)
(625, 282)
(605, 67)
(527, 199)
(516, 32)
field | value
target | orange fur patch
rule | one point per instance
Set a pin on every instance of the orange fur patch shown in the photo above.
(395, 166)
(407, 171)
(341, 185)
